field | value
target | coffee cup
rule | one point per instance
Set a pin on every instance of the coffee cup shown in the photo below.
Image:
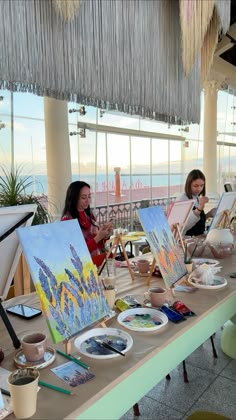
(23, 386)
(156, 295)
(143, 266)
(109, 282)
(34, 346)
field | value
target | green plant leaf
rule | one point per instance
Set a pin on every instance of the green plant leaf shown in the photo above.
(13, 191)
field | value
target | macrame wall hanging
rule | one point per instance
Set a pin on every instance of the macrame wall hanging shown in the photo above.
(201, 22)
(68, 9)
(117, 54)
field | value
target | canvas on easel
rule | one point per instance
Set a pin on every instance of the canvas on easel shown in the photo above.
(65, 278)
(177, 217)
(225, 211)
(10, 249)
(163, 245)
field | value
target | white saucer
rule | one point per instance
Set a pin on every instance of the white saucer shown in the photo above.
(137, 273)
(49, 357)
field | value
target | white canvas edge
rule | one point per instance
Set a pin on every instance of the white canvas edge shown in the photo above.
(186, 205)
(22, 210)
(225, 195)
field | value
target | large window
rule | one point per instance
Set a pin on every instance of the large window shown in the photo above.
(149, 167)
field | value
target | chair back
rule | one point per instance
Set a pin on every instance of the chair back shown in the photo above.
(228, 187)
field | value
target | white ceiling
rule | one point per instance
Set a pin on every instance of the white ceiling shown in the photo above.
(221, 70)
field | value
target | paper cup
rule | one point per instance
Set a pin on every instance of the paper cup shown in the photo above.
(23, 385)
(110, 295)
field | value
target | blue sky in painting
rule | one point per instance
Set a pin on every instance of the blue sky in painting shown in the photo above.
(51, 243)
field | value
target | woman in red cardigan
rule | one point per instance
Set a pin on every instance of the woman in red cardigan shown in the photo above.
(77, 206)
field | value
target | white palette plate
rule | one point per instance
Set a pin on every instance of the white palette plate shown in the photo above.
(142, 319)
(208, 261)
(218, 283)
(117, 338)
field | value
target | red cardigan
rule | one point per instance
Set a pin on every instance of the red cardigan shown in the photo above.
(89, 231)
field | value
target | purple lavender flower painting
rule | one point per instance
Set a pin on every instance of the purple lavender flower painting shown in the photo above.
(64, 276)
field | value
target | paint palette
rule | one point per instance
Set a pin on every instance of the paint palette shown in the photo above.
(208, 261)
(142, 319)
(218, 282)
(88, 343)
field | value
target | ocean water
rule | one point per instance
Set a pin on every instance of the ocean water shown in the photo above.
(103, 182)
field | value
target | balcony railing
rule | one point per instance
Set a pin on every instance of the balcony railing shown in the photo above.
(124, 215)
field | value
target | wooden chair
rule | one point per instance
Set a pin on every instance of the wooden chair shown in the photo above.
(228, 187)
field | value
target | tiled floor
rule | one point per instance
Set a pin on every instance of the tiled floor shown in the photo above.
(211, 387)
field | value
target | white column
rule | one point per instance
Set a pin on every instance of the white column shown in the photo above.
(57, 154)
(210, 136)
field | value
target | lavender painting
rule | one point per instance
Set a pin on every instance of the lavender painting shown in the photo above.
(163, 245)
(65, 278)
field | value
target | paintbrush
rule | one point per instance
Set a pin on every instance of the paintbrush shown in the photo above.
(108, 346)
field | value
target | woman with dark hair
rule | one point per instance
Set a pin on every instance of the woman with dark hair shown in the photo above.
(77, 206)
(195, 188)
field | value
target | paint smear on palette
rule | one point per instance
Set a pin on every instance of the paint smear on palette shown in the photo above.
(142, 321)
(92, 346)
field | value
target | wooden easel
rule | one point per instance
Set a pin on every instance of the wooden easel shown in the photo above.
(175, 228)
(113, 251)
(224, 220)
(151, 271)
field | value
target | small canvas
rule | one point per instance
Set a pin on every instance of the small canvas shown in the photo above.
(65, 277)
(163, 245)
(10, 248)
(227, 203)
(179, 212)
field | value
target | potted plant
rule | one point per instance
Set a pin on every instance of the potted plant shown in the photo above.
(14, 191)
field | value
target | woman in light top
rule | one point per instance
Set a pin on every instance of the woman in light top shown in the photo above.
(77, 206)
(195, 188)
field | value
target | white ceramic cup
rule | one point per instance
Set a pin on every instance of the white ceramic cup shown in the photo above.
(34, 346)
(156, 295)
(23, 385)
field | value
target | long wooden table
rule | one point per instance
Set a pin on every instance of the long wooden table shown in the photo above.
(122, 381)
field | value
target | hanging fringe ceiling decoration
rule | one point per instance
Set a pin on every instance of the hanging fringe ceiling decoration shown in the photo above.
(209, 46)
(123, 55)
(201, 22)
(68, 9)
